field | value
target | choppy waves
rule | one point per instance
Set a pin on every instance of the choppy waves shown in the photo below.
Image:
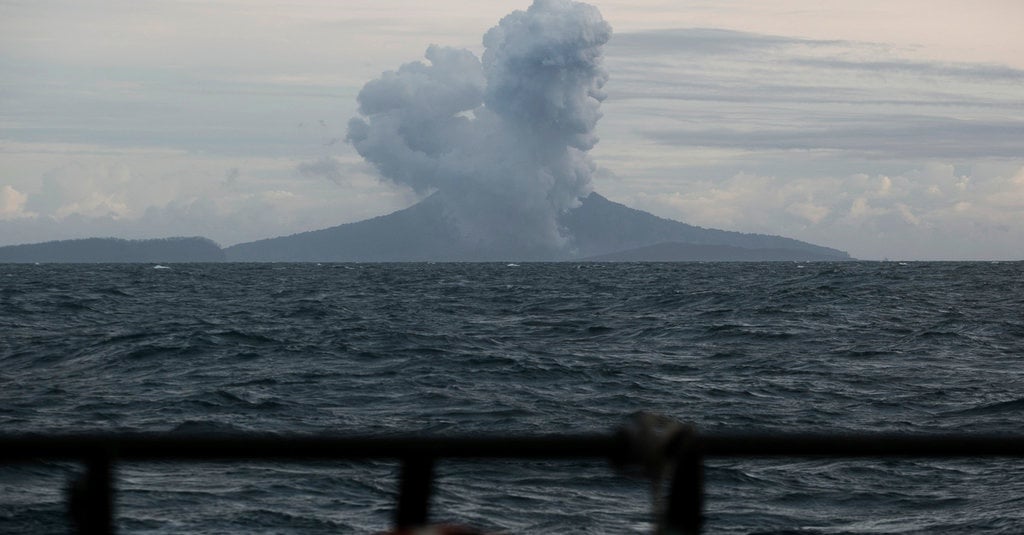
(533, 348)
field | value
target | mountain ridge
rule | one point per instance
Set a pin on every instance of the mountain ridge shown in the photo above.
(692, 252)
(115, 250)
(602, 226)
(423, 232)
(598, 229)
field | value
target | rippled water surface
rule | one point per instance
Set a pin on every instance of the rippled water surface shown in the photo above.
(536, 348)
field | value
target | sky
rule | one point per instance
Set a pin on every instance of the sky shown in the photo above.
(885, 129)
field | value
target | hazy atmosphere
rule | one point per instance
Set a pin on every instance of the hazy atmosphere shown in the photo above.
(885, 130)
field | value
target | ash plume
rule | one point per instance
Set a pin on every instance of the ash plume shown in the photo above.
(500, 140)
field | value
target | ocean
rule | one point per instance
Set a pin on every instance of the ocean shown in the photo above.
(394, 349)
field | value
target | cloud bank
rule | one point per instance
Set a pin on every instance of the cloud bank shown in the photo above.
(502, 140)
(921, 213)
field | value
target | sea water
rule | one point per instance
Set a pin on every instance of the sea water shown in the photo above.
(393, 349)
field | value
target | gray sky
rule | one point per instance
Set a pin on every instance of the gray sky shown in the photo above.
(884, 130)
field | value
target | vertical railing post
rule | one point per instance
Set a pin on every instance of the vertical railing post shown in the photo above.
(414, 492)
(91, 497)
(684, 514)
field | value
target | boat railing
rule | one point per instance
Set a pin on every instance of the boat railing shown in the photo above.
(651, 446)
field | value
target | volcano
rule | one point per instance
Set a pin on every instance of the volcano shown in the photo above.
(599, 229)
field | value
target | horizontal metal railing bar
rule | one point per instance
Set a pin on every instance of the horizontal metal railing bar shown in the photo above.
(181, 447)
(91, 497)
(861, 445)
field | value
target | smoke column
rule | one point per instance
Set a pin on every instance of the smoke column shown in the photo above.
(501, 140)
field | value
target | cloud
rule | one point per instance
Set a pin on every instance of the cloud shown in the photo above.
(813, 213)
(935, 211)
(754, 94)
(85, 189)
(891, 136)
(969, 71)
(159, 194)
(12, 204)
(326, 167)
(706, 42)
(501, 139)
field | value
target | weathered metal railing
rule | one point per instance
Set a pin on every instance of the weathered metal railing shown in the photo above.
(654, 446)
